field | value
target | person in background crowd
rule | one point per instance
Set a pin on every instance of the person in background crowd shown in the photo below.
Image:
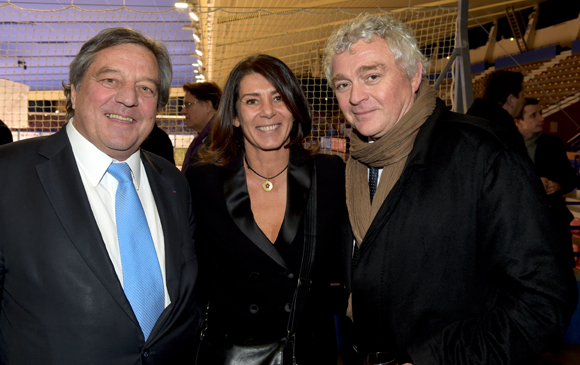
(200, 106)
(503, 100)
(159, 143)
(97, 260)
(250, 196)
(548, 154)
(454, 258)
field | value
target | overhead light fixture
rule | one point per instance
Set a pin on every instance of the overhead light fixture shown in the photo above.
(196, 71)
(181, 5)
(198, 76)
(199, 61)
(195, 64)
(193, 16)
(198, 52)
(196, 38)
(512, 39)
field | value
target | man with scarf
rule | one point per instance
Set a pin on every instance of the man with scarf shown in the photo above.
(454, 259)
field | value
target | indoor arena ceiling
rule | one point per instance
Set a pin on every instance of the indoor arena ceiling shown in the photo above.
(180, 43)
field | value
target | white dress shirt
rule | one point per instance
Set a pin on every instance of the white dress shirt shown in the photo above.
(101, 189)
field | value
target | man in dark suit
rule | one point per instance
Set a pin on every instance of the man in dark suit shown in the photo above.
(200, 106)
(97, 262)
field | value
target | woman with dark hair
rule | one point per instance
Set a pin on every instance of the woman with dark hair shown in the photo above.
(250, 197)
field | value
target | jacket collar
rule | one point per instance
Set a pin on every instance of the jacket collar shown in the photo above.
(237, 200)
(419, 154)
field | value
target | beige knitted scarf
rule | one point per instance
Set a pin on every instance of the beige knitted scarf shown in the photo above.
(390, 152)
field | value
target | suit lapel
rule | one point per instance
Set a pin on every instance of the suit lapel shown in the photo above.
(61, 180)
(237, 201)
(299, 180)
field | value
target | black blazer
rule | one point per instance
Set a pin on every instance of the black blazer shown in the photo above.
(62, 302)
(249, 280)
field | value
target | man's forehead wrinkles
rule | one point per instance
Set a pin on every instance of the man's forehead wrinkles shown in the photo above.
(106, 69)
(366, 68)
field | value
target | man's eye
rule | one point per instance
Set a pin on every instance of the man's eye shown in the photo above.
(373, 77)
(341, 86)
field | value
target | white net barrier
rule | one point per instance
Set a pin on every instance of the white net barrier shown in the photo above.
(37, 46)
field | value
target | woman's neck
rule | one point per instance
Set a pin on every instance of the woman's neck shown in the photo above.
(267, 163)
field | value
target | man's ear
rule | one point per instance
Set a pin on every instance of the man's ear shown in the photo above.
(207, 106)
(73, 95)
(510, 100)
(417, 77)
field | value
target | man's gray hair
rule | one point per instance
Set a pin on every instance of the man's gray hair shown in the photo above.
(112, 37)
(398, 36)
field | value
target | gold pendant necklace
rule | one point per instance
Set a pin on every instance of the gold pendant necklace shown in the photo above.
(266, 185)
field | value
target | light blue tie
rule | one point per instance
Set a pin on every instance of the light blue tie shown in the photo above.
(142, 280)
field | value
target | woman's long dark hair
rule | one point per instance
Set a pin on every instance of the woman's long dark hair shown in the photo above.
(228, 139)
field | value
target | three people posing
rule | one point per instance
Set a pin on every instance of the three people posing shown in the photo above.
(443, 264)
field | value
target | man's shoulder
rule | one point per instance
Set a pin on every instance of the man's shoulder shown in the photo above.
(158, 161)
(550, 139)
(21, 151)
(473, 127)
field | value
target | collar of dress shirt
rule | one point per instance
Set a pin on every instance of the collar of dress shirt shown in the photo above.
(95, 162)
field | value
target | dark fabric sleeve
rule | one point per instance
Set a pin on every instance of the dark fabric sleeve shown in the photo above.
(533, 290)
(558, 167)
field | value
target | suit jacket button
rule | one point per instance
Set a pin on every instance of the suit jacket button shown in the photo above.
(145, 354)
(254, 275)
(254, 309)
(289, 275)
(288, 307)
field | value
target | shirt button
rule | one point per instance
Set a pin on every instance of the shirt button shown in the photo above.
(254, 309)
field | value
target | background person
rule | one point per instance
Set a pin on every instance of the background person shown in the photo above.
(552, 165)
(200, 106)
(503, 100)
(455, 260)
(250, 197)
(159, 143)
(97, 262)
